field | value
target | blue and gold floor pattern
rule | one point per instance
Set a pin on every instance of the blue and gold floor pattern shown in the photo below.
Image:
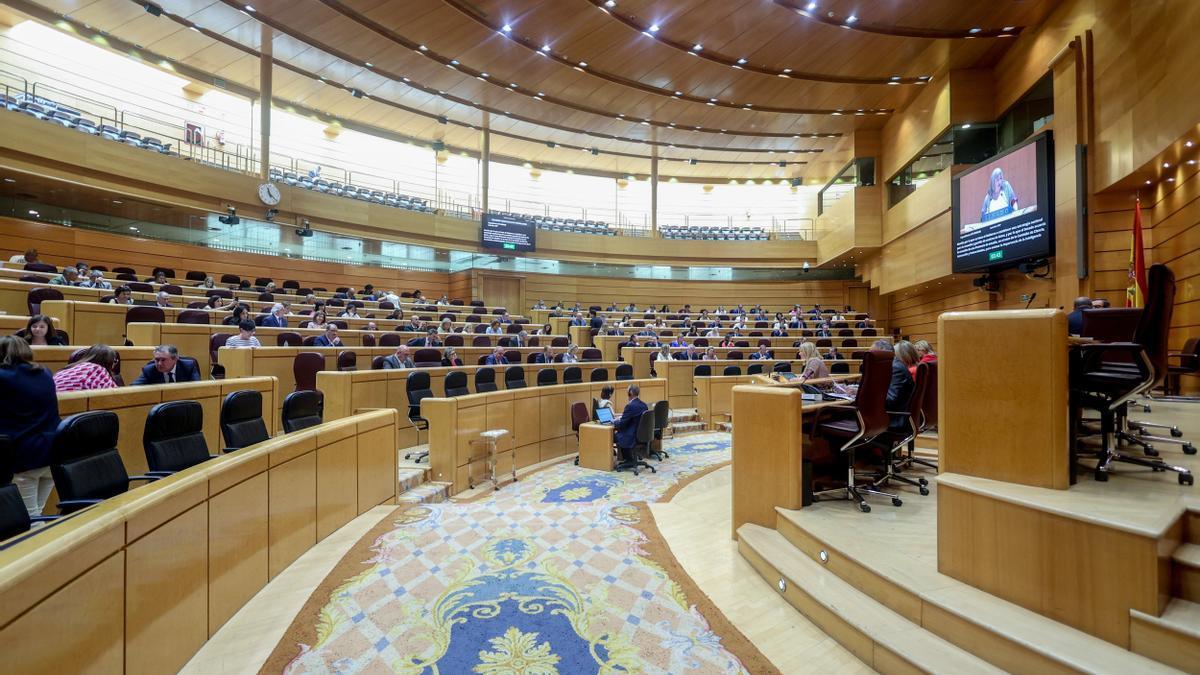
(547, 575)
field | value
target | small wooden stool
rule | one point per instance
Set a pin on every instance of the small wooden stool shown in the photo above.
(490, 440)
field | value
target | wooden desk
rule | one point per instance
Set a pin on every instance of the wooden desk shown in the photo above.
(596, 446)
(1003, 400)
(768, 451)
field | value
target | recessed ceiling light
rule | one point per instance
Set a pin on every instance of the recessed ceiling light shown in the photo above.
(1009, 29)
(851, 19)
(697, 47)
(1190, 162)
(610, 3)
(1148, 182)
(811, 6)
(454, 62)
(545, 48)
(966, 126)
(1170, 180)
(1166, 165)
(679, 93)
(423, 48)
(975, 30)
(368, 64)
(10, 180)
(250, 8)
(512, 85)
(653, 28)
(507, 28)
(583, 64)
(1188, 144)
(483, 74)
(32, 212)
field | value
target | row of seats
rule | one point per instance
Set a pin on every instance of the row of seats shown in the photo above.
(318, 184)
(86, 464)
(57, 113)
(555, 224)
(717, 233)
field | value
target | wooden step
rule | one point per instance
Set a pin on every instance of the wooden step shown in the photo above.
(879, 637)
(1007, 635)
(434, 492)
(1185, 572)
(409, 478)
(679, 428)
(1173, 638)
(1191, 526)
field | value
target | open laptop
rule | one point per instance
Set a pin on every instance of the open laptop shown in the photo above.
(604, 415)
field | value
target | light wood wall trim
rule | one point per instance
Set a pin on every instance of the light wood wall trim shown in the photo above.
(112, 598)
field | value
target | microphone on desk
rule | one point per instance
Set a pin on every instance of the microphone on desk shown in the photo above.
(1031, 298)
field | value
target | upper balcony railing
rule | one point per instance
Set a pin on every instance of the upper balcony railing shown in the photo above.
(164, 131)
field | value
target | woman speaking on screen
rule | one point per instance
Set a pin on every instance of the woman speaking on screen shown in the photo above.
(1000, 199)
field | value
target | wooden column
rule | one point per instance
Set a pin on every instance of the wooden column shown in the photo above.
(264, 100)
(654, 193)
(485, 159)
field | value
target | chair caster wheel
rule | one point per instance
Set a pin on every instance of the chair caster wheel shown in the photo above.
(652, 470)
(896, 501)
(864, 507)
(1150, 451)
(1185, 479)
(1102, 476)
(923, 482)
(924, 491)
(1189, 449)
(1176, 433)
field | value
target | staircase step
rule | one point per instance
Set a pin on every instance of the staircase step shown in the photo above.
(678, 428)
(725, 426)
(1191, 526)
(1185, 572)
(1009, 636)
(434, 492)
(409, 478)
(879, 637)
(1173, 638)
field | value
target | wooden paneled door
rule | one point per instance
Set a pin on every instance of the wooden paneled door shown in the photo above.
(857, 298)
(503, 291)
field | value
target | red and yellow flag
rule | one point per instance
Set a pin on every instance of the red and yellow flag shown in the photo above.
(1135, 293)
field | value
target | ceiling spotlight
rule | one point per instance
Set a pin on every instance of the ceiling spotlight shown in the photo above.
(741, 62)
(507, 28)
(454, 62)
(697, 47)
(250, 8)
(679, 93)
(713, 100)
(811, 6)
(975, 30)
(1009, 29)
(483, 74)
(966, 126)
(10, 180)
(851, 19)
(1166, 165)
(545, 48)
(653, 28)
(512, 85)
(368, 64)
(1188, 144)
(423, 48)
(610, 3)
(1148, 182)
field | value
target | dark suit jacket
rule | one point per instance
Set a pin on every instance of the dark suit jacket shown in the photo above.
(899, 391)
(683, 356)
(626, 427)
(760, 357)
(541, 358)
(491, 361)
(272, 321)
(185, 371)
(323, 341)
(1075, 322)
(452, 362)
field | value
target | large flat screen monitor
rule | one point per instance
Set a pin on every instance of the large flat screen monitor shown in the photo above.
(507, 234)
(1003, 209)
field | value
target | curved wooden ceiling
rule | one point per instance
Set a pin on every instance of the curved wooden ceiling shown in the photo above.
(604, 81)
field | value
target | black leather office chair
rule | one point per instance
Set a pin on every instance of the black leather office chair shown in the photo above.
(782, 367)
(242, 421)
(662, 417)
(485, 380)
(174, 437)
(631, 459)
(14, 516)
(624, 372)
(514, 377)
(853, 426)
(418, 388)
(84, 461)
(754, 369)
(547, 377)
(572, 375)
(1102, 381)
(302, 409)
(732, 370)
(456, 383)
(599, 375)
(703, 370)
(899, 437)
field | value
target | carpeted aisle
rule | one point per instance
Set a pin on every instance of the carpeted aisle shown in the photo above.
(562, 572)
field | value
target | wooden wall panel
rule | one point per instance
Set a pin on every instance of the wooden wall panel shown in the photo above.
(65, 245)
(910, 130)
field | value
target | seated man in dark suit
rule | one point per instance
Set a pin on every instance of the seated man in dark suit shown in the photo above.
(277, 318)
(689, 354)
(625, 428)
(168, 368)
(496, 358)
(544, 356)
(430, 340)
(398, 360)
(330, 338)
(763, 354)
(1075, 318)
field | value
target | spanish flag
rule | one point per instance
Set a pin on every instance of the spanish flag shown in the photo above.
(1135, 293)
